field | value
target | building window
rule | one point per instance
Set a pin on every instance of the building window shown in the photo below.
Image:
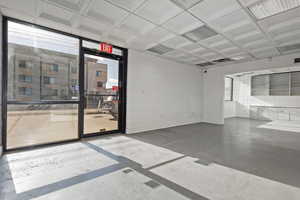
(22, 63)
(100, 84)
(25, 78)
(54, 68)
(25, 91)
(49, 80)
(228, 96)
(277, 84)
(98, 73)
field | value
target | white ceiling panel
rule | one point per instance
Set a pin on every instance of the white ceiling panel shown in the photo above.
(265, 53)
(55, 14)
(28, 8)
(68, 4)
(257, 44)
(213, 9)
(288, 37)
(249, 37)
(211, 56)
(247, 3)
(281, 23)
(176, 42)
(186, 4)
(194, 47)
(182, 23)
(230, 51)
(136, 25)
(213, 40)
(130, 5)
(244, 29)
(157, 34)
(231, 21)
(158, 12)
(106, 12)
(175, 54)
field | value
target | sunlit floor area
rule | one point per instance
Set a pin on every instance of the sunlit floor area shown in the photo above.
(238, 161)
(33, 127)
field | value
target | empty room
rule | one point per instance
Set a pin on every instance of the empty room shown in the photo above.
(150, 100)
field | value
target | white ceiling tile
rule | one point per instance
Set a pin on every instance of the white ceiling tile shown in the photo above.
(68, 4)
(241, 30)
(211, 56)
(231, 50)
(231, 21)
(247, 3)
(265, 53)
(158, 12)
(120, 34)
(106, 12)
(211, 40)
(176, 42)
(263, 43)
(185, 4)
(28, 8)
(158, 34)
(55, 14)
(281, 23)
(182, 23)
(288, 37)
(194, 47)
(175, 53)
(213, 9)
(136, 25)
(249, 37)
(130, 5)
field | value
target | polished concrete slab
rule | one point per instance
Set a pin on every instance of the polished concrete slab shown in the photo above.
(241, 160)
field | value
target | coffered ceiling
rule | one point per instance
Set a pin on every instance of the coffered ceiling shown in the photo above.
(204, 32)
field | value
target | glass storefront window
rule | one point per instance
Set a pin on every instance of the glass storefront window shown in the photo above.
(43, 64)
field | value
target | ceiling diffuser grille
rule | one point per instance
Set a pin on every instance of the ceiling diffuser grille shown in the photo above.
(200, 33)
(160, 49)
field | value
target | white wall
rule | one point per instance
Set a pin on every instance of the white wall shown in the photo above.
(213, 91)
(229, 109)
(161, 93)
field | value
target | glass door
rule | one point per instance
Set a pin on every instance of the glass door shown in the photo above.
(101, 95)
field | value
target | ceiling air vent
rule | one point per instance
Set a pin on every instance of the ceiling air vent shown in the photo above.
(223, 60)
(200, 33)
(205, 64)
(160, 49)
(289, 48)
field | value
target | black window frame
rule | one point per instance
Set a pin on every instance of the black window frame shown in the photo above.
(80, 101)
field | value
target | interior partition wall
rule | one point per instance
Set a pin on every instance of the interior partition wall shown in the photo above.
(44, 81)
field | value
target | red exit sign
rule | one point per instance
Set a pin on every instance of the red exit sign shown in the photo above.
(106, 48)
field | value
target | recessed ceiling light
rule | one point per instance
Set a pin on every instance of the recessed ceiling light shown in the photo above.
(200, 33)
(159, 49)
(266, 8)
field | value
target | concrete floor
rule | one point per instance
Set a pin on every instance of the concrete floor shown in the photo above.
(239, 161)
